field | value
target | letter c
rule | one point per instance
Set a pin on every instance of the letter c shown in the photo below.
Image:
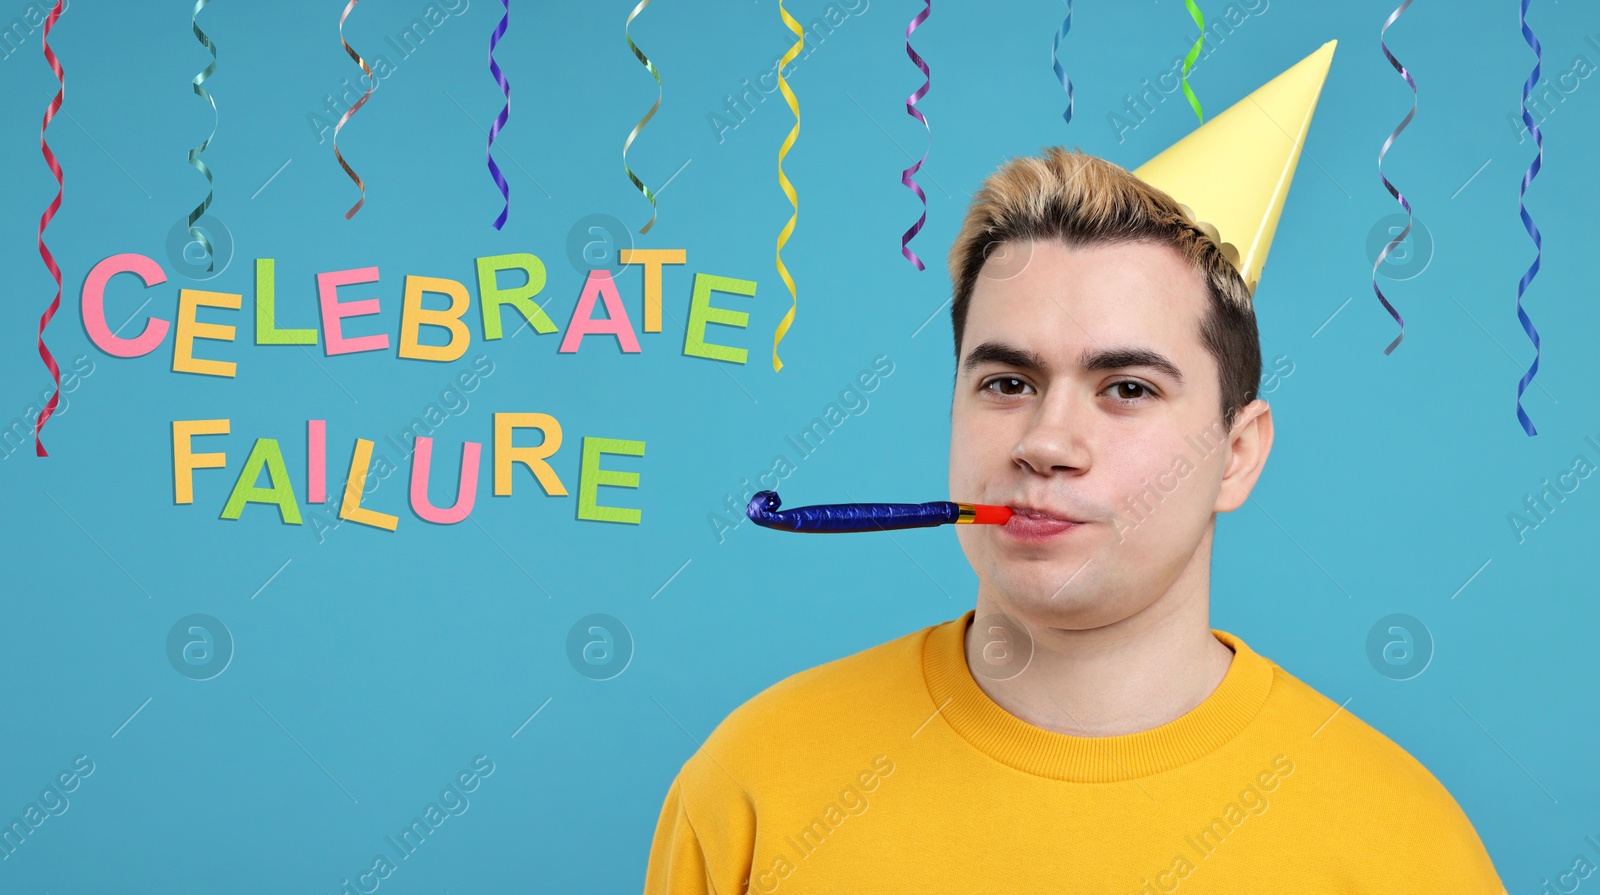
(1562, 81)
(94, 306)
(1561, 481)
(761, 882)
(763, 81)
(1160, 482)
(360, 880)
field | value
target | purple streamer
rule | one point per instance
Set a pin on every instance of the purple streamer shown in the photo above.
(1527, 222)
(847, 517)
(500, 121)
(1389, 186)
(911, 109)
(1061, 74)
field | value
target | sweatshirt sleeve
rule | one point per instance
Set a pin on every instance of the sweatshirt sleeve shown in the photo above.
(677, 860)
(705, 834)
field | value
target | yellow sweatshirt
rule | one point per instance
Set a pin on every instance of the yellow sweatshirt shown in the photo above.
(891, 771)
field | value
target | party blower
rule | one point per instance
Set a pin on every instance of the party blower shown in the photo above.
(844, 517)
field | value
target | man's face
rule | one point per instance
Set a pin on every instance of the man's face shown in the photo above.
(1133, 452)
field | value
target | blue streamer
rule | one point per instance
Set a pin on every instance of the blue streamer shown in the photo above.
(1527, 222)
(500, 121)
(1061, 75)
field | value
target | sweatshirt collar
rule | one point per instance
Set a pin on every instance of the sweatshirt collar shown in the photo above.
(976, 718)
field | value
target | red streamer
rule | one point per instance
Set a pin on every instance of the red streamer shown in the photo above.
(44, 221)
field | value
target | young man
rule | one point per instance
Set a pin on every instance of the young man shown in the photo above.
(1082, 729)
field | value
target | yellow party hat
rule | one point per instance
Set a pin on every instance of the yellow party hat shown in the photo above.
(1232, 173)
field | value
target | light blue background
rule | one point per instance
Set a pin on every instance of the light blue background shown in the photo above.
(376, 665)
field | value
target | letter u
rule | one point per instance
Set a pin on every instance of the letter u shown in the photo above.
(466, 492)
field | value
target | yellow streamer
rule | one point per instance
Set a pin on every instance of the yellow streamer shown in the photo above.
(788, 188)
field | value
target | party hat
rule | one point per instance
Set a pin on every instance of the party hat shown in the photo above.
(1232, 173)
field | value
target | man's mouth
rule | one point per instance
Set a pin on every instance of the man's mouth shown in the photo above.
(1038, 513)
(1033, 524)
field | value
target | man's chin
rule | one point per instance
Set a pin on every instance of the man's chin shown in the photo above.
(1039, 594)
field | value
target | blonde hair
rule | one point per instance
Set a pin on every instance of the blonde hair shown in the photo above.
(1081, 200)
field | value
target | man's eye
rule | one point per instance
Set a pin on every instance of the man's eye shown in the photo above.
(1006, 383)
(1142, 391)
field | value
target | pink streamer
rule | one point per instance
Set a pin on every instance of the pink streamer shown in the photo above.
(911, 109)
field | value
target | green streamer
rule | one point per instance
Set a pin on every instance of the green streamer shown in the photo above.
(1194, 53)
(640, 126)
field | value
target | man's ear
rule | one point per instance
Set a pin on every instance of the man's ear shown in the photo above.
(1248, 446)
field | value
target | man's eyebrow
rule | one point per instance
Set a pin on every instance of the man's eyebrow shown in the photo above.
(1006, 356)
(1130, 356)
(1116, 358)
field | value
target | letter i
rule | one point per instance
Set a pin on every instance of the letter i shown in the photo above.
(317, 461)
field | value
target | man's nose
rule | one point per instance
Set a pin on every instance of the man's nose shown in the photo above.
(1054, 437)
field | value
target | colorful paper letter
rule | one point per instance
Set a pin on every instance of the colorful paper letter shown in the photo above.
(265, 453)
(351, 508)
(185, 461)
(583, 321)
(701, 312)
(592, 477)
(491, 296)
(466, 491)
(317, 461)
(267, 331)
(531, 457)
(94, 306)
(334, 311)
(190, 328)
(652, 259)
(413, 316)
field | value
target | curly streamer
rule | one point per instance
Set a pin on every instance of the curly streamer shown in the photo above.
(499, 122)
(44, 220)
(1061, 74)
(783, 181)
(1194, 53)
(194, 154)
(350, 112)
(1527, 222)
(1389, 186)
(911, 109)
(647, 116)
